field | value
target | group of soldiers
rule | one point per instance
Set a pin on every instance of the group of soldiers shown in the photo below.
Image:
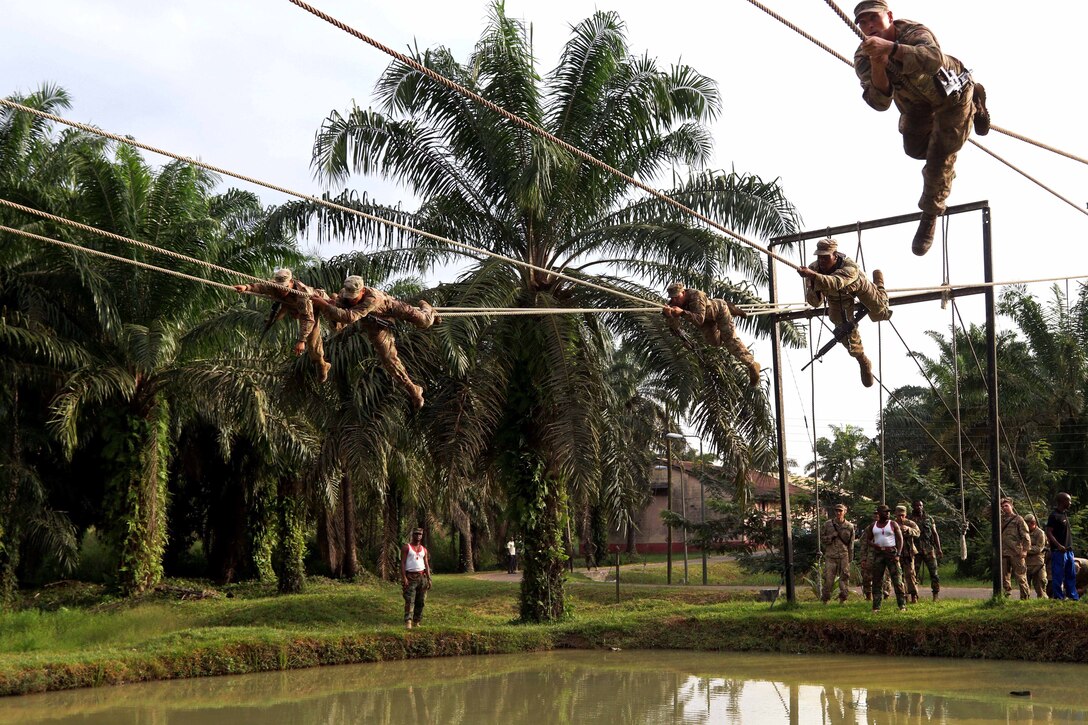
(892, 553)
(356, 306)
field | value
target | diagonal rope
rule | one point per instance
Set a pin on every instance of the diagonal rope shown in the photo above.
(1029, 177)
(981, 285)
(139, 244)
(322, 202)
(801, 32)
(534, 129)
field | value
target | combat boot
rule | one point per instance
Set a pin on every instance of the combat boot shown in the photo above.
(417, 396)
(753, 374)
(324, 374)
(923, 238)
(408, 624)
(878, 279)
(982, 114)
(866, 371)
(935, 595)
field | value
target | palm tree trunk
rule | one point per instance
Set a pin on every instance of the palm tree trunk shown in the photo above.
(389, 548)
(350, 560)
(292, 544)
(141, 521)
(540, 503)
(463, 524)
(329, 546)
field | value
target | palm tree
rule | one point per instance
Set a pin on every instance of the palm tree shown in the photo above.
(538, 421)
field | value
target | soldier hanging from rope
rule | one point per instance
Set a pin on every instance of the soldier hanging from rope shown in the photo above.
(900, 61)
(370, 309)
(835, 279)
(714, 318)
(299, 307)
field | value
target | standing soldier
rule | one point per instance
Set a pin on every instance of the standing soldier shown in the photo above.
(900, 61)
(929, 548)
(415, 578)
(1015, 543)
(911, 532)
(837, 537)
(714, 318)
(293, 298)
(865, 562)
(357, 301)
(1036, 558)
(836, 279)
(886, 540)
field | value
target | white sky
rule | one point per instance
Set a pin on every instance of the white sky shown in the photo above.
(244, 84)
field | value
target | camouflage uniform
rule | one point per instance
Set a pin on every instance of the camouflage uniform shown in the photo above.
(299, 307)
(886, 561)
(934, 126)
(911, 532)
(838, 541)
(714, 318)
(840, 288)
(1015, 543)
(380, 305)
(865, 563)
(927, 551)
(1036, 561)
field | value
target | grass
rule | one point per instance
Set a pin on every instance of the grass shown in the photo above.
(76, 644)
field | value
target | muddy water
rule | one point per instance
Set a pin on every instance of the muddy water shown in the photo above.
(587, 687)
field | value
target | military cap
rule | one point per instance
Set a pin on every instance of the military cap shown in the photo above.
(282, 275)
(826, 247)
(674, 288)
(353, 285)
(1030, 519)
(838, 507)
(869, 6)
(901, 510)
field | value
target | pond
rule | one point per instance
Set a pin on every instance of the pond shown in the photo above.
(592, 686)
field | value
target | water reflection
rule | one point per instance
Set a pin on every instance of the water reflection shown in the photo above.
(580, 687)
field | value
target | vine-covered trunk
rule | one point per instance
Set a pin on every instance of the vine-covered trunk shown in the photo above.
(350, 561)
(140, 499)
(541, 506)
(263, 531)
(292, 543)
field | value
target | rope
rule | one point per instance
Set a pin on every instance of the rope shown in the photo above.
(125, 260)
(137, 243)
(322, 202)
(532, 128)
(850, 63)
(1029, 177)
(507, 311)
(973, 285)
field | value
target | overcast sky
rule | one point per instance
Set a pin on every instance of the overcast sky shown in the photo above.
(244, 84)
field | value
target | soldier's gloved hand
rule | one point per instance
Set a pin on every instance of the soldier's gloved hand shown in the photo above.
(320, 301)
(300, 347)
(737, 311)
(806, 272)
(241, 287)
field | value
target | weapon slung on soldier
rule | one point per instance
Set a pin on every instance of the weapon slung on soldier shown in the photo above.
(950, 83)
(841, 333)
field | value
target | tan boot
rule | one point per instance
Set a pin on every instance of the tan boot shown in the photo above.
(866, 371)
(878, 279)
(982, 114)
(324, 374)
(753, 374)
(408, 624)
(923, 238)
(428, 312)
(417, 397)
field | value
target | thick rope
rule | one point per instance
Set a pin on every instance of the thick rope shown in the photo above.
(138, 243)
(508, 311)
(534, 129)
(1029, 177)
(1039, 144)
(322, 202)
(981, 285)
(846, 19)
(115, 258)
(800, 32)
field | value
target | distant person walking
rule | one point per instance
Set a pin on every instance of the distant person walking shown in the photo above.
(415, 573)
(1062, 567)
(511, 557)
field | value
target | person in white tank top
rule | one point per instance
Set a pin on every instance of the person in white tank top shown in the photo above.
(415, 573)
(886, 539)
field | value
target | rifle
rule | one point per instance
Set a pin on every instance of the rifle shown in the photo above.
(841, 333)
(274, 315)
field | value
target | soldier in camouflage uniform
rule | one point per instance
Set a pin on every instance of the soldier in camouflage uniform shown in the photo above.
(293, 298)
(357, 302)
(929, 548)
(911, 532)
(1036, 558)
(865, 562)
(899, 61)
(886, 541)
(714, 318)
(1015, 543)
(835, 279)
(837, 538)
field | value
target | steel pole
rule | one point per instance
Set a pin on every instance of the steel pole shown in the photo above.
(668, 535)
(994, 415)
(684, 511)
(780, 432)
(702, 502)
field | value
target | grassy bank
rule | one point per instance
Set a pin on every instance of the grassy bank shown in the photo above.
(82, 643)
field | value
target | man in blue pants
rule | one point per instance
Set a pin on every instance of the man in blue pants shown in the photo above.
(1063, 569)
